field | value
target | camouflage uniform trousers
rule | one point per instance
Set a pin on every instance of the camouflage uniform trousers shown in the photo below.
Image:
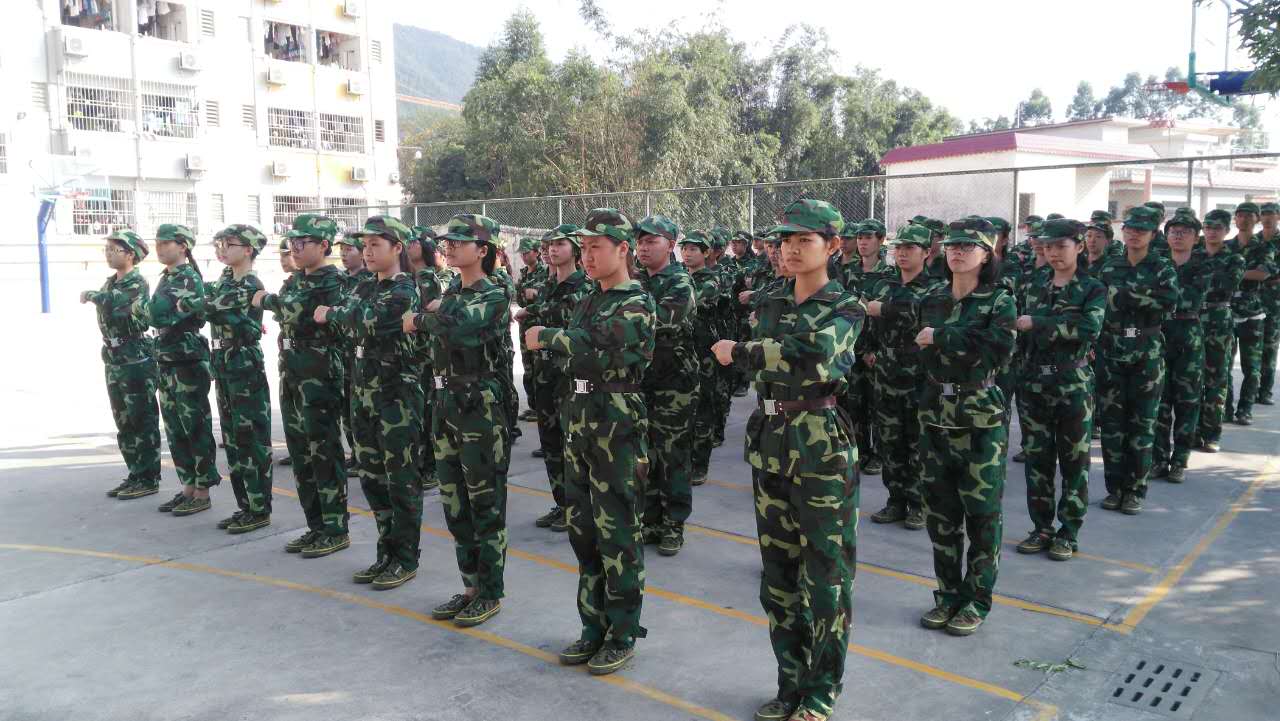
(548, 389)
(1007, 378)
(666, 500)
(473, 446)
(188, 422)
(859, 403)
(526, 362)
(606, 466)
(131, 388)
(310, 409)
(1179, 413)
(387, 422)
(1218, 344)
(1056, 429)
(1131, 395)
(964, 474)
(898, 429)
(705, 419)
(1270, 346)
(725, 382)
(1248, 342)
(348, 430)
(427, 448)
(244, 412)
(808, 527)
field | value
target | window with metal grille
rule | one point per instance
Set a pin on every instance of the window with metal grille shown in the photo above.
(4, 155)
(39, 96)
(208, 23)
(253, 209)
(98, 15)
(101, 211)
(169, 110)
(291, 128)
(375, 50)
(217, 210)
(288, 207)
(99, 103)
(379, 131)
(212, 113)
(349, 213)
(283, 41)
(338, 50)
(171, 25)
(166, 206)
(248, 117)
(341, 133)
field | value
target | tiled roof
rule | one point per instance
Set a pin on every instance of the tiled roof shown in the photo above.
(1025, 142)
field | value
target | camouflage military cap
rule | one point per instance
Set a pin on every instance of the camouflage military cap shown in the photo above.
(1269, 208)
(177, 233)
(1217, 219)
(772, 235)
(245, 234)
(936, 226)
(697, 237)
(1185, 217)
(386, 226)
(1157, 205)
(658, 225)
(285, 248)
(811, 216)
(311, 225)
(423, 232)
(1032, 219)
(915, 234)
(1142, 218)
(564, 231)
(743, 236)
(470, 227)
(1000, 224)
(1248, 207)
(1057, 229)
(1054, 216)
(918, 219)
(1101, 227)
(975, 231)
(352, 238)
(609, 222)
(1034, 228)
(871, 226)
(720, 237)
(528, 244)
(132, 241)
(1101, 216)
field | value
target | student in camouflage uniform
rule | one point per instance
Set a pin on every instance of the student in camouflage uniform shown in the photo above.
(1224, 268)
(694, 248)
(286, 264)
(351, 252)
(1270, 234)
(532, 277)
(726, 325)
(423, 257)
(1061, 320)
(746, 263)
(311, 385)
(177, 314)
(1099, 242)
(129, 363)
(857, 274)
(670, 386)
(566, 288)
(386, 398)
(1249, 309)
(967, 337)
(804, 463)
(1179, 413)
(472, 420)
(1142, 287)
(1159, 242)
(239, 370)
(605, 348)
(893, 304)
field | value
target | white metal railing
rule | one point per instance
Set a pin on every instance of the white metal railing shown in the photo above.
(99, 103)
(101, 211)
(169, 110)
(341, 133)
(287, 128)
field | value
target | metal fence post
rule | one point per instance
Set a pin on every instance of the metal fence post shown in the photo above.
(871, 199)
(483, 207)
(647, 209)
(1016, 209)
(751, 210)
(1191, 181)
(559, 211)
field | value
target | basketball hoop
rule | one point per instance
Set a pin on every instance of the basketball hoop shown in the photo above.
(1180, 87)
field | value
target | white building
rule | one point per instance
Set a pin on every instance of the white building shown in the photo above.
(1076, 192)
(201, 112)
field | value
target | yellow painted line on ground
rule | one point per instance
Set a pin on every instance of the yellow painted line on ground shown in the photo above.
(491, 638)
(1171, 579)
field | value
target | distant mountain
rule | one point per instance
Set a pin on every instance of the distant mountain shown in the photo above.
(433, 65)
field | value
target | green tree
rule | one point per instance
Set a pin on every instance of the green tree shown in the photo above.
(1036, 110)
(1084, 106)
(1260, 38)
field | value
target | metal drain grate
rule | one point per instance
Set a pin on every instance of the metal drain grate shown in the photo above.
(1162, 687)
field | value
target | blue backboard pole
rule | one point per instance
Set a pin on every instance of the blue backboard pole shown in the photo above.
(42, 223)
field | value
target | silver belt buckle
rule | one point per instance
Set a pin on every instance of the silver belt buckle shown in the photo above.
(359, 351)
(1130, 332)
(216, 344)
(1048, 370)
(948, 389)
(581, 386)
(287, 343)
(113, 342)
(770, 407)
(437, 382)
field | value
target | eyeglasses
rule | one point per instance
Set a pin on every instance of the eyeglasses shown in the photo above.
(223, 245)
(300, 243)
(453, 243)
(113, 248)
(963, 247)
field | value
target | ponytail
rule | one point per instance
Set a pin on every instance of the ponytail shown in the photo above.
(405, 267)
(192, 260)
(490, 260)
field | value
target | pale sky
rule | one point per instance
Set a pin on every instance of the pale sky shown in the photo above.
(977, 58)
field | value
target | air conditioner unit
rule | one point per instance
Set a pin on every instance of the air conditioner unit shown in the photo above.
(195, 163)
(74, 47)
(359, 174)
(275, 76)
(351, 8)
(188, 61)
(279, 169)
(355, 86)
(393, 177)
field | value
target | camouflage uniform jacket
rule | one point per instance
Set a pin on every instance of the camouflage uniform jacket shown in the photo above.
(706, 293)
(899, 323)
(972, 340)
(430, 287)
(800, 352)
(177, 313)
(1065, 323)
(1138, 297)
(313, 350)
(554, 309)
(531, 279)
(123, 308)
(1247, 301)
(857, 282)
(372, 316)
(1225, 270)
(234, 324)
(674, 358)
(609, 339)
(468, 328)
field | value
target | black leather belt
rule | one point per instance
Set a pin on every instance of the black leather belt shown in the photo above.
(453, 381)
(220, 344)
(951, 389)
(1135, 332)
(582, 385)
(1052, 370)
(1218, 304)
(112, 342)
(774, 407)
(1185, 316)
(296, 343)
